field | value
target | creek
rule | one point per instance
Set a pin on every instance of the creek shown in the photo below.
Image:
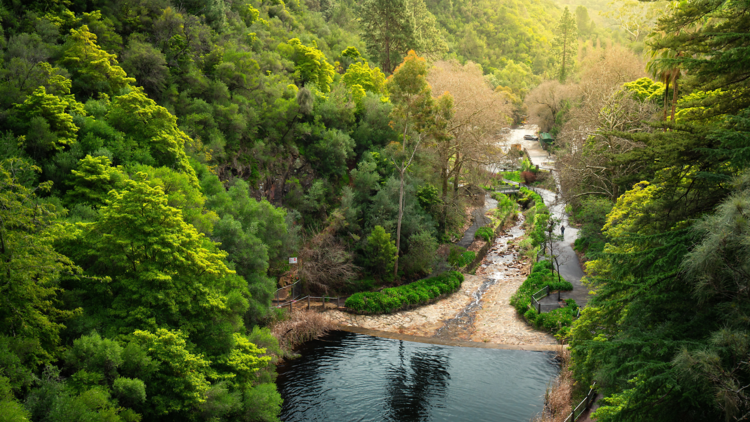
(355, 377)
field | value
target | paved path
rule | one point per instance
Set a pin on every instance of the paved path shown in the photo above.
(570, 267)
(480, 220)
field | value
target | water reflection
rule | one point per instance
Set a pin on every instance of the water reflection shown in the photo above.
(414, 389)
(353, 377)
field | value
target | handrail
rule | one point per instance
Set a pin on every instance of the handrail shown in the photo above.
(572, 417)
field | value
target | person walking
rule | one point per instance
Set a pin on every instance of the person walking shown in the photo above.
(562, 231)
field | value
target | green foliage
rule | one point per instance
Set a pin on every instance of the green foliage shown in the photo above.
(592, 215)
(381, 252)
(396, 298)
(541, 276)
(539, 221)
(30, 268)
(565, 45)
(485, 233)
(94, 69)
(310, 64)
(163, 272)
(422, 254)
(645, 89)
(459, 257)
(513, 176)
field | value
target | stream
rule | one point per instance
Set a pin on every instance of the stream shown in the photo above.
(498, 259)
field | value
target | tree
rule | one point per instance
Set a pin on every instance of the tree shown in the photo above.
(30, 266)
(310, 64)
(94, 69)
(147, 65)
(164, 273)
(471, 119)
(413, 114)
(392, 27)
(386, 29)
(634, 17)
(547, 101)
(141, 118)
(381, 252)
(52, 112)
(566, 45)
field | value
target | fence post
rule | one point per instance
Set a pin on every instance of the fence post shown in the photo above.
(338, 302)
(547, 287)
(290, 307)
(308, 303)
(538, 307)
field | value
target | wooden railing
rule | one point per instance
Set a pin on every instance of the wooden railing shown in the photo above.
(586, 403)
(339, 300)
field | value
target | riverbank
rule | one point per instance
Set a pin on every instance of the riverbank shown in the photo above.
(479, 312)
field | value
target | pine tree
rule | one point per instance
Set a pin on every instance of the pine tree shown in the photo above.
(565, 44)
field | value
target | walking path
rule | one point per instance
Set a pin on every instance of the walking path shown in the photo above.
(479, 312)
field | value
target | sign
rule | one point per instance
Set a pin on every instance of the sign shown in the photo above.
(293, 260)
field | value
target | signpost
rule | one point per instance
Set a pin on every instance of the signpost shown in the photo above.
(293, 260)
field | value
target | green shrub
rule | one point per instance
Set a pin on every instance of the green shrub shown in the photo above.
(381, 253)
(459, 257)
(514, 176)
(485, 233)
(531, 315)
(396, 298)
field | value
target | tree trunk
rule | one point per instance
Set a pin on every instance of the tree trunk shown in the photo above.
(674, 93)
(444, 211)
(456, 172)
(400, 215)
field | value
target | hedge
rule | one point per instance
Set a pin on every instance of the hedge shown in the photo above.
(540, 217)
(397, 298)
(557, 321)
(540, 277)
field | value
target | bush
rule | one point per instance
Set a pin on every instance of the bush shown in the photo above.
(421, 255)
(541, 276)
(381, 253)
(485, 233)
(396, 298)
(459, 257)
(513, 176)
(528, 177)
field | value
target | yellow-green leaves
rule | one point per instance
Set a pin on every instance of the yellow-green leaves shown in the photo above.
(310, 64)
(93, 179)
(30, 267)
(139, 116)
(245, 359)
(54, 111)
(164, 272)
(359, 73)
(95, 69)
(180, 384)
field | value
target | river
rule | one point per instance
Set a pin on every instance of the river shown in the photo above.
(354, 377)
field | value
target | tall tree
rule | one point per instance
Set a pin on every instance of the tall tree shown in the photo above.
(392, 27)
(566, 44)
(475, 116)
(30, 267)
(387, 29)
(413, 115)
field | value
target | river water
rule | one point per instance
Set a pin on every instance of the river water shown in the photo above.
(354, 377)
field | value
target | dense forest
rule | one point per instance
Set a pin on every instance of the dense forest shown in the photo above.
(160, 161)
(653, 161)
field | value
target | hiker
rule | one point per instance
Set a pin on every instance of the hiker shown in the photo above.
(562, 230)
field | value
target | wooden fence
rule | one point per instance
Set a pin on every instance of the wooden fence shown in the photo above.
(583, 406)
